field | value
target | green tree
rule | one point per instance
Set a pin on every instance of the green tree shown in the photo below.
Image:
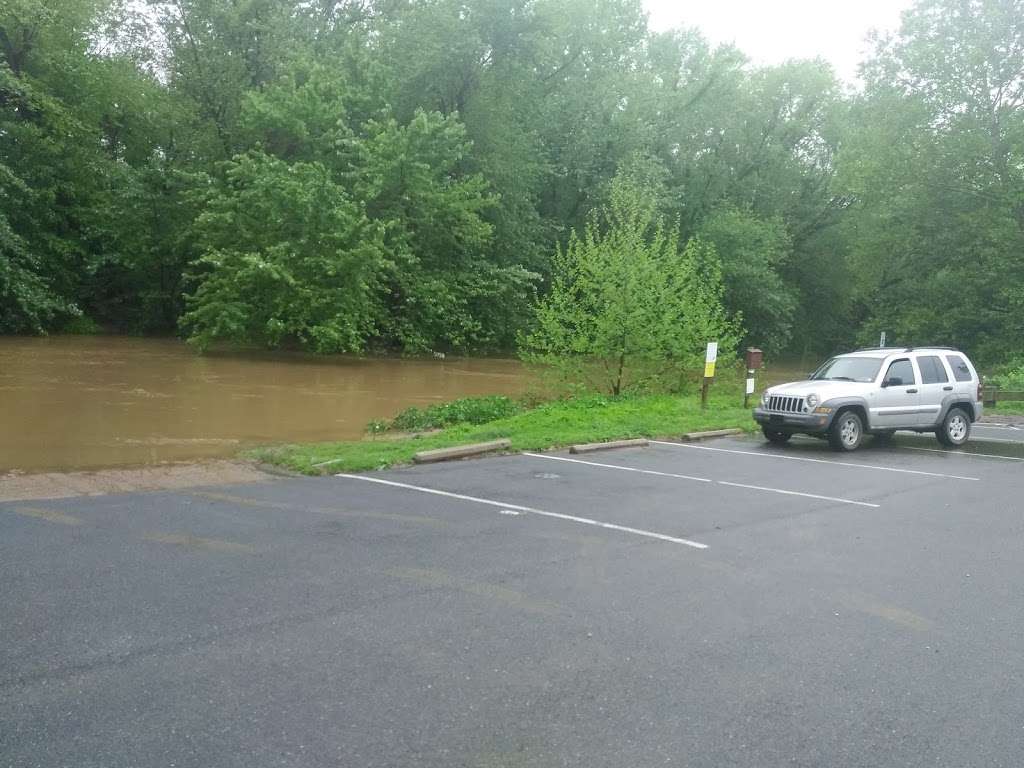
(28, 304)
(288, 257)
(936, 166)
(627, 308)
(753, 251)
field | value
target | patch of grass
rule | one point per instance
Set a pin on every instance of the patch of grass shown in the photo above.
(552, 425)
(1008, 407)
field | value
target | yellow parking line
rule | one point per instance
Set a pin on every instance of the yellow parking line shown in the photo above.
(331, 511)
(432, 577)
(50, 515)
(195, 542)
(875, 607)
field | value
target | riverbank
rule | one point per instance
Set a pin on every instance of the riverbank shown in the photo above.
(77, 403)
(551, 425)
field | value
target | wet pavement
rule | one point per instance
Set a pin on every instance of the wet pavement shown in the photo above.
(727, 603)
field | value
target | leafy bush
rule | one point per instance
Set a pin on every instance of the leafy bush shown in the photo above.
(288, 256)
(81, 326)
(467, 410)
(629, 311)
(1012, 376)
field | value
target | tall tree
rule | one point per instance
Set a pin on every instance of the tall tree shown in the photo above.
(628, 309)
(937, 169)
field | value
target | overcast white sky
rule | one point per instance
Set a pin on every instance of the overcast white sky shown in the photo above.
(771, 31)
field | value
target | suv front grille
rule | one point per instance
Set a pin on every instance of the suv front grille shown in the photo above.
(786, 404)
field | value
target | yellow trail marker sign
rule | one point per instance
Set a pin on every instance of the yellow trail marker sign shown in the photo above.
(709, 371)
(709, 360)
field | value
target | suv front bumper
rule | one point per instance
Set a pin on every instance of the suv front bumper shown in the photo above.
(794, 422)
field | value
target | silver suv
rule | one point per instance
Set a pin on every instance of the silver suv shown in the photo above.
(876, 392)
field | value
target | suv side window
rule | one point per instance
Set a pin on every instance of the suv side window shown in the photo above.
(960, 369)
(901, 369)
(932, 370)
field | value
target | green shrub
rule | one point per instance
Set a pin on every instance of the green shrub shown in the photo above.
(1011, 377)
(467, 410)
(81, 326)
(629, 310)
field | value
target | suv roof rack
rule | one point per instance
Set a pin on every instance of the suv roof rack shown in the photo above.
(904, 349)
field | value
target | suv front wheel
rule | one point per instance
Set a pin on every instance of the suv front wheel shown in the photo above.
(776, 436)
(955, 429)
(847, 432)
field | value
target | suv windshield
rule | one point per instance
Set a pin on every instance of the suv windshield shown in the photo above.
(862, 369)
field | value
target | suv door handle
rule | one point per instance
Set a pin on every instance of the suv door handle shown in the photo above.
(947, 389)
(911, 391)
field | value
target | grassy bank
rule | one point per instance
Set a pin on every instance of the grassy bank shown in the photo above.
(552, 425)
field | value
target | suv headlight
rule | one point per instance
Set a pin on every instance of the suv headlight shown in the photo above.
(764, 399)
(812, 401)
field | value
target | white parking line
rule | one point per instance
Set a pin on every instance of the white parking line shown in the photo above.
(991, 425)
(944, 451)
(799, 493)
(960, 453)
(505, 506)
(617, 466)
(705, 480)
(985, 439)
(813, 461)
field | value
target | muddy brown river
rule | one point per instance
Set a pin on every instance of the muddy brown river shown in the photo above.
(91, 402)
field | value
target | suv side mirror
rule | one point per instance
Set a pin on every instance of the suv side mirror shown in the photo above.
(892, 381)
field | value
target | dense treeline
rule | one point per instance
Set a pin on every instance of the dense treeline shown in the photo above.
(400, 174)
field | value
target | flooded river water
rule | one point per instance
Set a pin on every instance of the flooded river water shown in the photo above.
(90, 402)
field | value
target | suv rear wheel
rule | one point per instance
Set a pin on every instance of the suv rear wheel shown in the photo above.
(775, 436)
(955, 429)
(847, 431)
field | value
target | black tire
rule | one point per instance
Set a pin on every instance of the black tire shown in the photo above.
(955, 429)
(847, 431)
(775, 436)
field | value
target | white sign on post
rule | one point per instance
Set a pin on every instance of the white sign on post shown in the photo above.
(750, 386)
(709, 360)
(882, 342)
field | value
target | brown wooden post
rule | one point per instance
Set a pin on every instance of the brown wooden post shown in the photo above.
(754, 357)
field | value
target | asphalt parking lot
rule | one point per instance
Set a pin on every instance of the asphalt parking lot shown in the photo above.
(721, 604)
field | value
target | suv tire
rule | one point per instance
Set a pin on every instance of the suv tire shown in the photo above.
(775, 436)
(847, 431)
(955, 429)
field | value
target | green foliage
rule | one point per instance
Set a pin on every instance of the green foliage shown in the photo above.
(81, 326)
(934, 164)
(753, 251)
(467, 410)
(627, 309)
(288, 257)
(443, 151)
(1011, 377)
(27, 301)
(440, 286)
